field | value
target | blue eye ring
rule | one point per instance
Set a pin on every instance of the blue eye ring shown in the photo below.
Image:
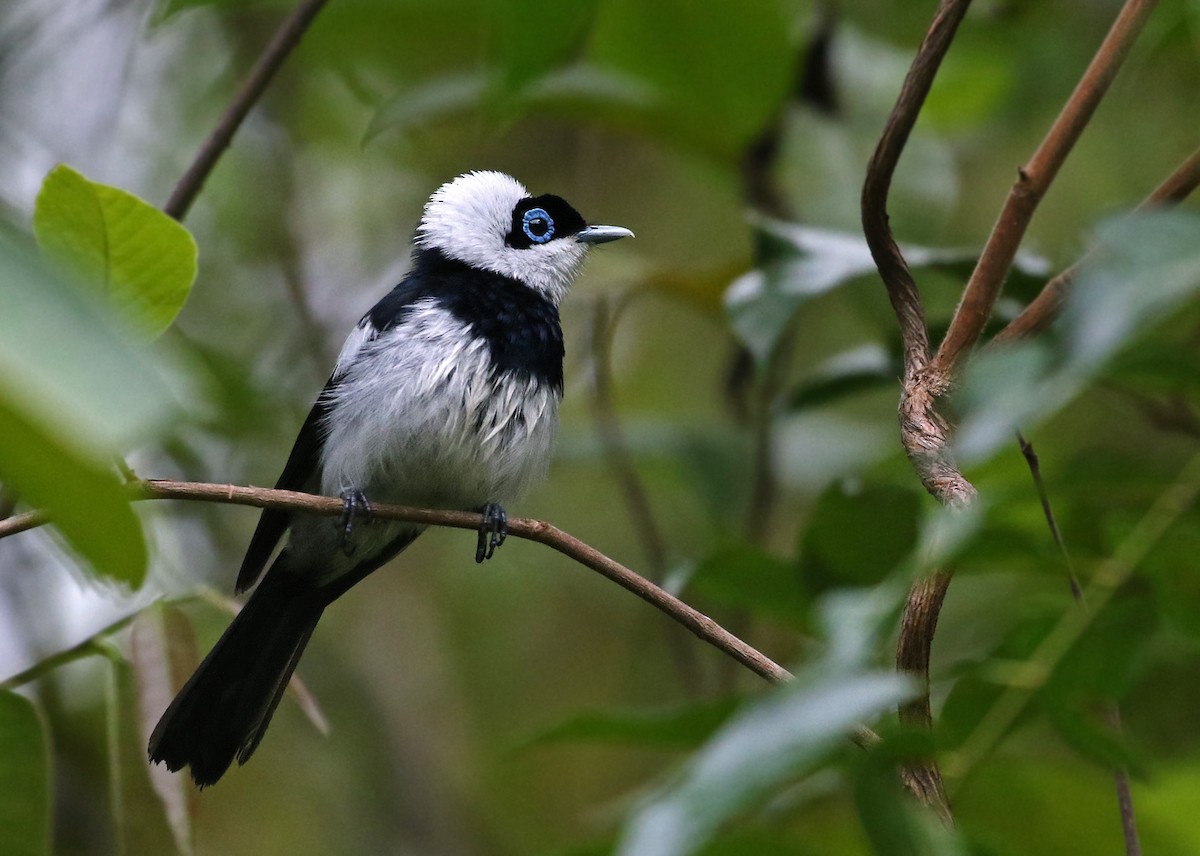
(531, 226)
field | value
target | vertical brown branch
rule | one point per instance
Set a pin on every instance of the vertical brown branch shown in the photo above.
(923, 431)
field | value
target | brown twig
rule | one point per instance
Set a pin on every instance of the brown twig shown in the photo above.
(520, 527)
(1125, 809)
(1047, 306)
(1034, 178)
(282, 43)
(612, 438)
(624, 471)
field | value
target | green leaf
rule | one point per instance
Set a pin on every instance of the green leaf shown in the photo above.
(24, 779)
(72, 394)
(83, 496)
(859, 533)
(683, 727)
(772, 742)
(536, 38)
(1141, 268)
(418, 107)
(780, 737)
(708, 92)
(745, 576)
(142, 261)
(861, 369)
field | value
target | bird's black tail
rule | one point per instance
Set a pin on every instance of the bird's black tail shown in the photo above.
(223, 710)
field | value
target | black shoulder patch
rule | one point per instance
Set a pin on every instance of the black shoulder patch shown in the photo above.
(521, 327)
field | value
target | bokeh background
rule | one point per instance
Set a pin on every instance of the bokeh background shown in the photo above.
(527, 706)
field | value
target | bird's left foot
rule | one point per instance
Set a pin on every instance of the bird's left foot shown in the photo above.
(354, 507)
(492, 532)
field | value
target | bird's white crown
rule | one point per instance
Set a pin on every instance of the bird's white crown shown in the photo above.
(469, 218)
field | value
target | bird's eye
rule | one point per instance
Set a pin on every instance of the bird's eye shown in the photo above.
(538, 225)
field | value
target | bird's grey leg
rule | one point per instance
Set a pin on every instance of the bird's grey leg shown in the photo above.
(354, 506)
(492, 531)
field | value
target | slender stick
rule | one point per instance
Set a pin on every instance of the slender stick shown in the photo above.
(86, 648)
(1112, 712)
(1033, 180)
(532, 530)
(612, 438)
(520, 527)
(894, 270)
(283, 43)
(1046, 307)
(1170, 505)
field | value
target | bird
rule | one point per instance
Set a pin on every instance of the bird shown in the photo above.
(445, 395)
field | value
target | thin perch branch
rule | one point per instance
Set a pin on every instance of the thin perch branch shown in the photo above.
(520, 527)
(283, 43)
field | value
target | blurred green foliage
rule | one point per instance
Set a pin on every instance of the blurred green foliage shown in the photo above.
(527, 708)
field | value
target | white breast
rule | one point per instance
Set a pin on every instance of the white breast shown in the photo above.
(419, 418)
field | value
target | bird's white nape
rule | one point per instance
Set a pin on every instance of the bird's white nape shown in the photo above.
(468, 218)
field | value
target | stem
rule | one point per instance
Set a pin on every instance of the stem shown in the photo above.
(1033, 181)
(520, 527)
(87, 648)
(282, 43)
(1046, 307)
(613, 441)
(1112, 712)
(1110, 576)
(624, 470)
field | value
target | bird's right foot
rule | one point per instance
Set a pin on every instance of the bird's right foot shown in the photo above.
(354, 507)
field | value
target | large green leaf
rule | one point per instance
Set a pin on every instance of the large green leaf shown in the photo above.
(859, 533)
(719, 72)
(803, 263)
(24, 779)
(681, 727)
(72, 394)
(781, 736)
(141, 260)
(745, 576)
(536, 38)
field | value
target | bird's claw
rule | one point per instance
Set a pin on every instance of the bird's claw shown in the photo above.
(354, 507)
(492, 531)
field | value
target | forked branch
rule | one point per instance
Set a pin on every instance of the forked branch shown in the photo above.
(1034, 178)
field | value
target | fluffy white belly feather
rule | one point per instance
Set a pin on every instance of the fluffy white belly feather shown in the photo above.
(420, 418)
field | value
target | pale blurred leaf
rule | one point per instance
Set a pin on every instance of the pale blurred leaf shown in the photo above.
(163, 655)
(72, 394)
(780, 737)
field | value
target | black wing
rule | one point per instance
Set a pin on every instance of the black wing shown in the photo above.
(302, 464)
(297, 474)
